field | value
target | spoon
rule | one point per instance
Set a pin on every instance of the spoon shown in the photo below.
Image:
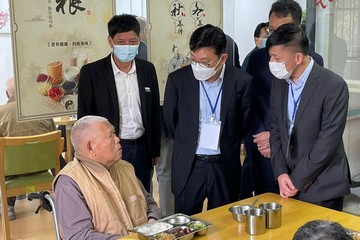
(255, 201)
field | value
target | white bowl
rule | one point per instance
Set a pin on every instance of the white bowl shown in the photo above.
(71, 73)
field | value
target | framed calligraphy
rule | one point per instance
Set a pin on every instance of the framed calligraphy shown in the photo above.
(53, 39)
(171, 23)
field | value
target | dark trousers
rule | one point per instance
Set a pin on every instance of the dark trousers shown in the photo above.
(262, 174)
(206, 180)
(138, 156)
(334, 203)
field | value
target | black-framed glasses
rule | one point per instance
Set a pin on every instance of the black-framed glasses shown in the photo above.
(201, 64)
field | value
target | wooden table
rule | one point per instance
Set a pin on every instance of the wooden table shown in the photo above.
(294, 214)
(68, 122)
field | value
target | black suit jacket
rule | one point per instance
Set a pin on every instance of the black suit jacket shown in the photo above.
(314, 158)
(98, 96)
(258, 67)
(181, 115)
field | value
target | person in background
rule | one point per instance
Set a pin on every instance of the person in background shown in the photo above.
(142, 53)
(260, 37)
(321, 230)
(281, 12)
(11, 127)
(124, 89)
(247, 186)
(206, 108)
(232, 51)
(309, 106)
(97, 195)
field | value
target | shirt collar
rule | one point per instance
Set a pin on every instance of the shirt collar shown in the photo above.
(219, 80)
(302, 79)
(116, 70)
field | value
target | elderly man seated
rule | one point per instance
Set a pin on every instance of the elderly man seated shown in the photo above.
(98, 196)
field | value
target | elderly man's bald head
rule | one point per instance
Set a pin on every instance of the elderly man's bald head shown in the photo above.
(82, 131)
(94, 138)
(10, 87)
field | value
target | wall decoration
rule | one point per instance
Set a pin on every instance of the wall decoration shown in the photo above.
(171, 23)
(51, 43)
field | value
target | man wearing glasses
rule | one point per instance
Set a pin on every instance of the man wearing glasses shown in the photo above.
(281, 12)
(206, 107)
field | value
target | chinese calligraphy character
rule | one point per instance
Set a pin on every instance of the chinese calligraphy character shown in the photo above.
(180, 27)
(320, 2)
(197, 9)
(176, 11)
(73, 6)
(60, 6)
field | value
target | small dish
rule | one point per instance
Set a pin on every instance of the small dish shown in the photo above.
(179, 220)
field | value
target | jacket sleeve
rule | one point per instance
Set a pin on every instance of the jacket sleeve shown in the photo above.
(170, 109)
(334, 114)
(278, 160)
(74, 216)
(153, 211)
(85, 93)
(155, 115)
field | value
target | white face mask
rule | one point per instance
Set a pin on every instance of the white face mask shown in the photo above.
(278, 69)
(202, 73)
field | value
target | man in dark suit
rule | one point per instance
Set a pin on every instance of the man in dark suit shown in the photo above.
(282, 12)
(125, 91)
(206, 106)
(309, 107)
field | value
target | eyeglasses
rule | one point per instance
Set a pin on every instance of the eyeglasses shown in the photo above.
(193, 62)
(269, 30)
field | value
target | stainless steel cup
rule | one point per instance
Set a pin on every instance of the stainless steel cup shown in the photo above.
(273, 214)
(255, 221)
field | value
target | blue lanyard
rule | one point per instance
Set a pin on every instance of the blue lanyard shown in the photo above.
(296, 102)
(217, 100)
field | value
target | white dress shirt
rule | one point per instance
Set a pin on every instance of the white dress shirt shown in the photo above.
(127, 88)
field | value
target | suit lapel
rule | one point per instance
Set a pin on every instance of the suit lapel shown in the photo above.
(227, 91)
(141, 82)
(284, 104)
(110, 80)
(308, 91)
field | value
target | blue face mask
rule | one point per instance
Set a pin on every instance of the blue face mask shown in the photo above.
(125, 53)
(263, 42)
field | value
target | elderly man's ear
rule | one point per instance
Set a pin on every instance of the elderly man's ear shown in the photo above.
(90, 148)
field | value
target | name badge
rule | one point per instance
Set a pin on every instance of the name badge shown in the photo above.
(209, 135)
(147, 89)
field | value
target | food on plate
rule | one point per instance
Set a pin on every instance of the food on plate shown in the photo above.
(43, 88)
(56, 93)
(196, 225)
(155, 228)
(181, 231)
(165, 236)
(42, 78)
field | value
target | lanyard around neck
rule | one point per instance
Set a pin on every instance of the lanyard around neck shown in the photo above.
(213, 108)
(296, 102)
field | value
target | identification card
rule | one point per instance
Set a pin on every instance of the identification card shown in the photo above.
(209, 135)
